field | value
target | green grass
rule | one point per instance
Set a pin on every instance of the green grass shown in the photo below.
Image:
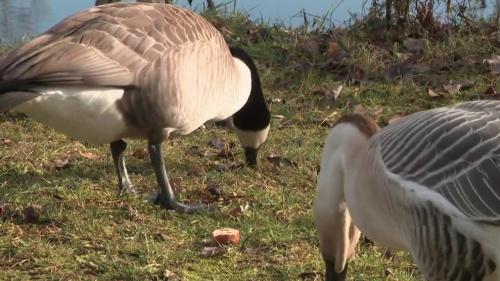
(87, 232)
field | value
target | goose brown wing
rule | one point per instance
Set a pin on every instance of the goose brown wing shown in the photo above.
(108, 45)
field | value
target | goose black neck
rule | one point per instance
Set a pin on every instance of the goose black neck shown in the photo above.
(254, 115)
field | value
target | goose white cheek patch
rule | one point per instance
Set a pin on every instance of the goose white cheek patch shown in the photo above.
(252, 139)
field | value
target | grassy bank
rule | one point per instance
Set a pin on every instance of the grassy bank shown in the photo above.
(86, 232)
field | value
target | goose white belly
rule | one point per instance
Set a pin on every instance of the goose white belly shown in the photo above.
(87, 114)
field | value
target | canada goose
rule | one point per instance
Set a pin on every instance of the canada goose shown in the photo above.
(136, 70)
(428, 183)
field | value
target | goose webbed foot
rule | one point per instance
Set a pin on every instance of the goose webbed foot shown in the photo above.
(126, 188)
(182, 208)
(166, 196)
(117, 151)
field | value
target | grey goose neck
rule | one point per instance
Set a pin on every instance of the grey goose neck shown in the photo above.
(254, 115)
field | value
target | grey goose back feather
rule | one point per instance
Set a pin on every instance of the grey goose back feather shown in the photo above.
(454, 151)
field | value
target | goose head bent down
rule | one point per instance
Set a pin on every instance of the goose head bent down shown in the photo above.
(427, 183)
(338, 236)
(137, 70)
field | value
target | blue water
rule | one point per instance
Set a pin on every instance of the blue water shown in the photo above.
(26, 18)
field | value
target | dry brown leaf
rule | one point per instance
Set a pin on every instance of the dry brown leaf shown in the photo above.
(333, 49)
(217, 143)
(164, 237)
(281, 162)
(403, 57)
(88, 155)
(32, 213)
(196, 171)
(433, 94)
(314, 275)
(6, 142)
(452, 88)
(169, 274)
(215, 190)
(212, 251)
(61, 164)
(140, 153)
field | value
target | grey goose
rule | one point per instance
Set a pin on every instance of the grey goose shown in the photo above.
(150, 71)
(428, 183)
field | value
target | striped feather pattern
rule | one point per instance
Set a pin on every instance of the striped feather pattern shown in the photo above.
(452, 150)
(108, 46)
(443, 252)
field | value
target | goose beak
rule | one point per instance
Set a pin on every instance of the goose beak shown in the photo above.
(251, 156)
(332, 275)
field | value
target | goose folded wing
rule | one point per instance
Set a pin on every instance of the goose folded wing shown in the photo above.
(454, 151)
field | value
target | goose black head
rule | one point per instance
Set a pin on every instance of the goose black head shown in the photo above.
(251, 122)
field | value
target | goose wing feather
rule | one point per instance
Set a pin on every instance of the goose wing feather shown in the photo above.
(454, 151)
(108, 45)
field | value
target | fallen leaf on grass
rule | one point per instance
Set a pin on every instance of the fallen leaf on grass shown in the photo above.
(169, 274)
(213, 251)
(403, 57)
(6, 142)
(389, 255)
(387, 272)
(163, 237)
(433, 94)
(217, 143)
(225, 154)
(253, 251)
(327, 97)
(219, 167)
(310, 275)
(32, 213)
(88, 155)
(61, 164)
(133, 214)
(277, 100)
(281, 162)
(215, 190)
(196, 151)
(236, 212)
(196, 171)
(332, 49)
(452, 88)
(140, 153)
